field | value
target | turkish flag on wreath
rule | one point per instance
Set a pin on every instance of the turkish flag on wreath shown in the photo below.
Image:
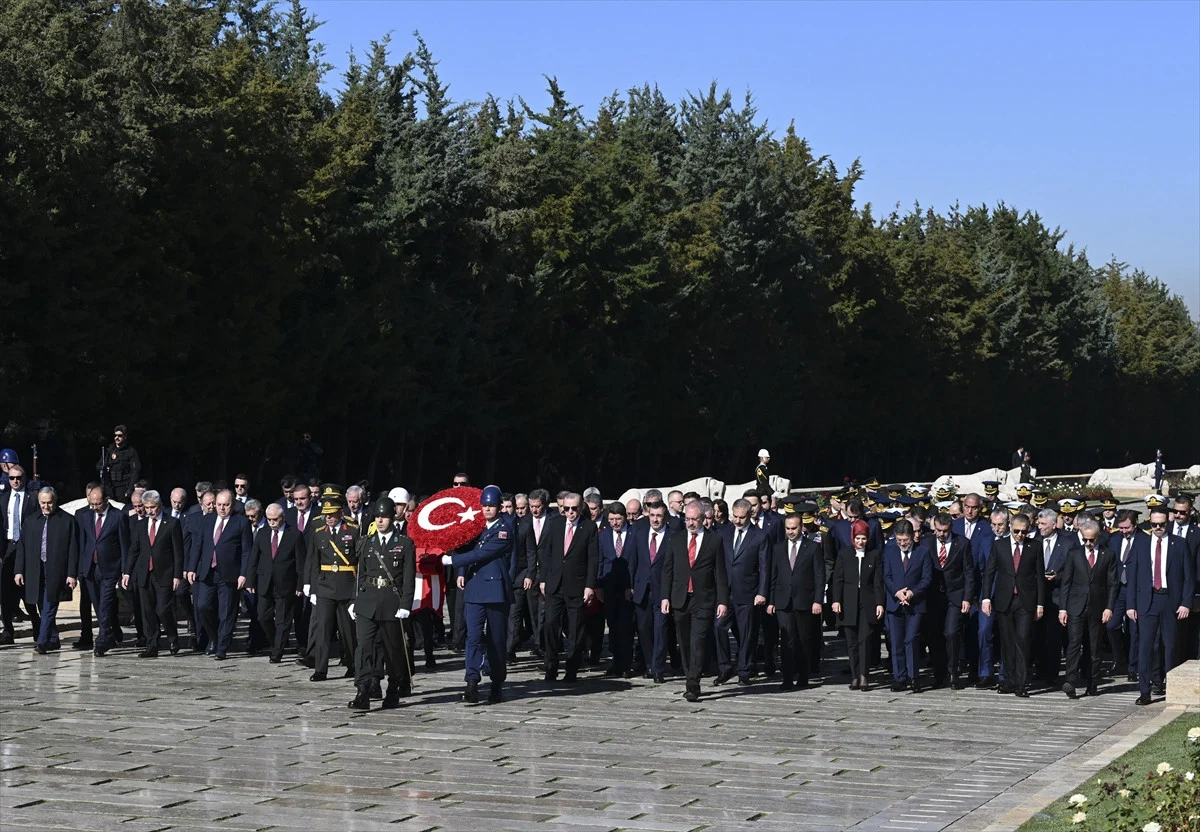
(447, 520)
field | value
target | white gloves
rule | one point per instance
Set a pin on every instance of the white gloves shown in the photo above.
(447, 560)
(312, 599)
(308, 589)
(351, 611)
(402, 613)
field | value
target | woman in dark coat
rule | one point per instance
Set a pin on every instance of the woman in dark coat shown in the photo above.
(857, 592)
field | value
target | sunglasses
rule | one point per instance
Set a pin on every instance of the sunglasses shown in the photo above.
(456, 482)
(1158, 525)
(572, 509)
(15, 479)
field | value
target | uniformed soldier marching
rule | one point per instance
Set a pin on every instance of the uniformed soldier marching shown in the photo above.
(483, 574)
(330, 581)
(762, 477)
(387, 571)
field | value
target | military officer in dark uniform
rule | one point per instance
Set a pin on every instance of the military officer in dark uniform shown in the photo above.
(762, 476)
(483, 575)
(330, 569)
(387, 572)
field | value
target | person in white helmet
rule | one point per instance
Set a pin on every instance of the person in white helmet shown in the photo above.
(762, 478)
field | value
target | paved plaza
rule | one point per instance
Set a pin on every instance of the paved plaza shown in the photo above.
(187, 743)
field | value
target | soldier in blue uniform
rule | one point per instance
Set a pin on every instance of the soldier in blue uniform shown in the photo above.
(483, 576)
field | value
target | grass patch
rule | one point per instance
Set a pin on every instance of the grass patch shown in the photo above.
(1169, 745)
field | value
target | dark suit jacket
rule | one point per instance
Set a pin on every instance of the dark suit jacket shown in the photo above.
(112, 546)
(748, 568)
(232, 550)
(62, 552)
(313, 523)
(1000, 577)
(799, 588)
(279, 577)
(917, 577)
(1086, 589)
(710, 584)
(1064, 541)
(29, 509)
(845, 586)
(956, 581)
(1139, 573)
(167, 551)
(647, 576)
(615, 574)
(572, 573)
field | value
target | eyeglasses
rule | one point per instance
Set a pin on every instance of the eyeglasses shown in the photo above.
(572, 509)
(11, 478)
(1018, 531)
(1184, 511)
(239, 485)
(1089, 540)
(1158, 525)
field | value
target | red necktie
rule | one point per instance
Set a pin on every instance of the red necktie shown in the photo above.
(691, 557)
(300, 521)
(274, 543)
(567, 538)
(1016, 564)
(153, 529)
(96, 551)
(653, 546)
(217, 536)
(620, 543)
(1158, 564)
(1091, 558)
(942, 556)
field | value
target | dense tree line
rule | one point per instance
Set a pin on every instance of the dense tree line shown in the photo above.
(199, 241)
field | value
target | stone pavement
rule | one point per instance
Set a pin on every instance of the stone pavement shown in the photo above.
(186, 743)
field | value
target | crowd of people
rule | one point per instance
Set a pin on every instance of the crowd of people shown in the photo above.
(963, 589)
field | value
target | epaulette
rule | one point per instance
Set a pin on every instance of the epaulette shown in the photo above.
(351, 523)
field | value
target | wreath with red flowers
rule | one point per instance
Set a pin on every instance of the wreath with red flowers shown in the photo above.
(447, 520)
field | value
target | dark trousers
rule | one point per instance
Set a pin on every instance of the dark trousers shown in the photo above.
(858, 642)
(276, 612)
(327, 611)
(593, 629)
(652, 633)
(1123, 637)
(11, 595)
(383, 648)
(1049, 640)
(693, 623)
(158, 609)
(302, 625)
(522, 613)
(985, 641)
(796, 645)
(47, 631)
(769, 627)
(1084, 629)
(1158, 622)
(1015, 626)
(258, 636)
(100, 595)
(560, 609)
(131, 598)
(456, 603)
(743, 617)
(619, 612)
(943, 634)
(487, 626)
(420, 623)
(904, 632)
(217, 608)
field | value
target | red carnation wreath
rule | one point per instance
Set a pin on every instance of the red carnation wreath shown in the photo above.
(447, 520)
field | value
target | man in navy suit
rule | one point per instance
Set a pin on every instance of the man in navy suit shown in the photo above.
(761, 516)
(647, 591)
(1122, 630)
(975, 528)
(907, 573)
(1184, 526)
(747, 549)
(155, 563)
(1159, 593)
(1014, 589)
(47, 558)
(19, 507)
(951, 586)
(103, 547)
(568, 560)
(217, 565)
(483, 577)
(618, 559)
(1049, 636)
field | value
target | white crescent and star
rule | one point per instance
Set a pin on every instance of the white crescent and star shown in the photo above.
(424, 517)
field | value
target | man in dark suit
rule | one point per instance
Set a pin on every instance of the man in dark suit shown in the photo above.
(303, 517)
(907, 574)
(19, 506)
(618, 559)
(47, 559)
(1049, 636)
(216, 566)
(946, 602)
(747, 565)
(1089, 588)
(1184, 526)
(104, 545)
(695, 587)
(796, 590)
(974, 527)
(1014, 589)
(155, 562)
(762, 517)
(1159, 594)
(1122, 630)
(568, 561)
(273, 575)
(652, 541)
(523, 570)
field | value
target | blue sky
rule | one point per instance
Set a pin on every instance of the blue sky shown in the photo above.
(1088, 113)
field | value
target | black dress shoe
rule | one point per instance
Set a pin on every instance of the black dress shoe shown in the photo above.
(318, 676)
(770, 671)
(54, 645)
(174, 647)
(83, 644)
(1132, 677)
(6, 637)
(723, 678)
(99, 651)
(1091, 691)
(612, 673)
(854, 685)
(659, 678)
(375, 690)
(787, 686)
(916, 686)
(392, 700)
(361, 702)
(1005, 688)
(1159, 688)
(430, 664)
(743, 680)
(956, 683)
(40, 649)
(471, 694)
(307, 661)
(139, 642)
(349, 674)
(1143, 700)
(148, 654)
(629, 674)
(551, 676)
(1068, 689)
(986, 682)
(1023, 693)
(898, 687)
(494, 693)
(220, 657)
(275, 658)
(570, 677)
(511, 657)
(691, 695)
